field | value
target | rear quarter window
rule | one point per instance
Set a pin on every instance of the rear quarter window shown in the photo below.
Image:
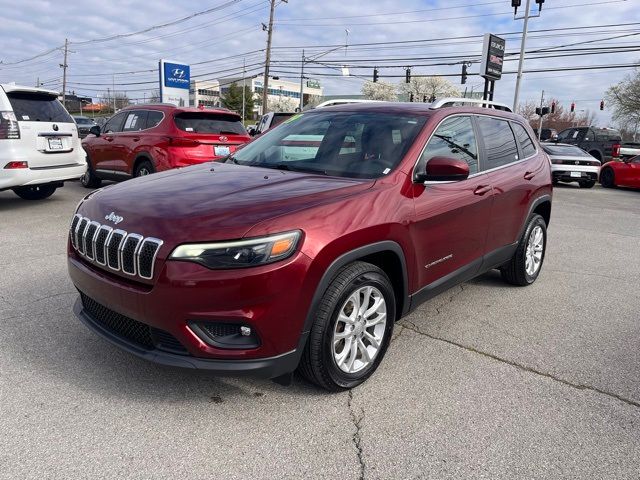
(526, 144)
(211, 123)
(38, 107)
(499, 142)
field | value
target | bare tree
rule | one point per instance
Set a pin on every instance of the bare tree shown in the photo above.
(624, 97)
(154, 97)
(119, 99)
(559, 120)
(428, 88)
(379, 91)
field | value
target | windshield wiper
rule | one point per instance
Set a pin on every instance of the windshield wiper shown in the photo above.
(292, 168)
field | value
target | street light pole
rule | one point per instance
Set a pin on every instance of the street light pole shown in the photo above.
(265, 83)
(521, 61)
(244, 88)
(302, 82)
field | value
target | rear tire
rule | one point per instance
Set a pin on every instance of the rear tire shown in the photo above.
(143, 169)
(35, 192)
(607, 178)
(525, 265)
(89, 179)
(588, 184)
(346, 344)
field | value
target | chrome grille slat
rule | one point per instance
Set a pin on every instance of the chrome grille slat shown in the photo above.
(114, 249)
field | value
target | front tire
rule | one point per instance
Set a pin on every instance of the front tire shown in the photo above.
(352, 328)
(607, 178)
(35, 192)
(525, 265)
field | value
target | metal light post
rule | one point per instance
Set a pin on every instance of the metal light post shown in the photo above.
(302, 83)
(244, 88)
(525, 26)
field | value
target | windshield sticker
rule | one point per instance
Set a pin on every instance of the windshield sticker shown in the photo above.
(189, 129)
(25, 117)
(295, 117)
(386, 170)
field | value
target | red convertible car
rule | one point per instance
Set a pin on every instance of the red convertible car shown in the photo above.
(621, 174)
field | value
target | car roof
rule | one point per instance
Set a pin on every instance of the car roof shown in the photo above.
(12, 87)
(175, 108)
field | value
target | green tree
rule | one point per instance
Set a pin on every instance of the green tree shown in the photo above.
(232, 99)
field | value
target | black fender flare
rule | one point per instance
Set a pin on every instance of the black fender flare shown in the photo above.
(534, 204)
(351, 256)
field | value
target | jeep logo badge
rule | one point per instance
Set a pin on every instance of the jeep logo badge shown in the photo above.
(114, 218)
(55, 127)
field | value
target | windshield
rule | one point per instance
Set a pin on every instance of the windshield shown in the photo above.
(219, 124)
(38, 107)
(345, 144)
(565, 150)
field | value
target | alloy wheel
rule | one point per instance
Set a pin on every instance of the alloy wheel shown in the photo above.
(535, 248)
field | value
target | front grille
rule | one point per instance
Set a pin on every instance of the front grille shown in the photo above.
(131, 330)
(114, 249)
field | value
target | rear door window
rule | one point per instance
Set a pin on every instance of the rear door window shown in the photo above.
(135, 121)
(209, 123)
(38, 107)
(526, 144)
(154, 117)
(454, 138)
(499, 143)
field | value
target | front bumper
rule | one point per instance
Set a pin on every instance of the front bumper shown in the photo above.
(270, 299)
(263, 368)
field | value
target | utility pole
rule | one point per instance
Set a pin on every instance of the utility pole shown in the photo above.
(265, 85)
(540, 124)
(525, 26)
(113, 81)
(64, 73)
(302, 82)
(244, 88)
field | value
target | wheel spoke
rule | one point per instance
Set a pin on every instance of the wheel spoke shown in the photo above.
(363, 351)
(349, 320)
(342, 356)
(375, 321)
(373, 340)
(339, 336)
(376, 305)
(365, 300)
(353, 353)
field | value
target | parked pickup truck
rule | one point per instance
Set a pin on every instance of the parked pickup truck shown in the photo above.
(601, 143)
(628, 150)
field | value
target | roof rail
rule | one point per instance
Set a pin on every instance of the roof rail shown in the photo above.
(451, 101)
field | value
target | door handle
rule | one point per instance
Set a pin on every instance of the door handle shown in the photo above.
(109, 139)
(136, 139)
(529, 175)
(482, 189)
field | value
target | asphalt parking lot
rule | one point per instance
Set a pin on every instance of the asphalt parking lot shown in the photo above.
(485, 381)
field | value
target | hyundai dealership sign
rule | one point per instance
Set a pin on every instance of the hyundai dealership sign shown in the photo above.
(174, 82)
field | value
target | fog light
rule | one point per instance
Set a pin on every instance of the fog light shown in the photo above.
(245, 331)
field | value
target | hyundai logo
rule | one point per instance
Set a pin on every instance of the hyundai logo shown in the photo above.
(178, 73)
(223, 138)
(114, 218)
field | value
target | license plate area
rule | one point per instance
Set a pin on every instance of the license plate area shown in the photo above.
(55, 143)
(576, 174)
(221, 150)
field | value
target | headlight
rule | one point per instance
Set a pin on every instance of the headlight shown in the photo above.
(241, 253)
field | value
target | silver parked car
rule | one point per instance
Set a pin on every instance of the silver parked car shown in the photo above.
(572, 164)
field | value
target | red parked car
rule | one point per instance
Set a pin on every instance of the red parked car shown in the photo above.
(625, 173)
(304, 248)
(144, 139)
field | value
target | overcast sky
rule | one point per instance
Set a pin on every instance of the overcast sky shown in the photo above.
(34, 27)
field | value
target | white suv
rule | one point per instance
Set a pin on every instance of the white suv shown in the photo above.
(39, 144)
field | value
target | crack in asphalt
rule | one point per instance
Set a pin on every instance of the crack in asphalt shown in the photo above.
(357, 437)
(450, 299)
(411, 326)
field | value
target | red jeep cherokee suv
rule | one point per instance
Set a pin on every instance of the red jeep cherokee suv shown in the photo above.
(304, 247)
(144, 139)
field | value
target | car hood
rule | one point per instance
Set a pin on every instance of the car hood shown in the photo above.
(212, 201)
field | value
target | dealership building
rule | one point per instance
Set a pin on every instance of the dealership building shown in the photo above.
(284, 95)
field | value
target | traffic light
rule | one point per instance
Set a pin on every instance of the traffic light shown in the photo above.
(601, 104)
(539, 2)
(542, 111)
(375, 75)
(407, 76)
(463, 78)
(515, 4)
(573, 107)
(553, 107)
(411, 97)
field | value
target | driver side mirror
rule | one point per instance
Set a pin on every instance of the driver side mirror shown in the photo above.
(444, 169)
(95, 130)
